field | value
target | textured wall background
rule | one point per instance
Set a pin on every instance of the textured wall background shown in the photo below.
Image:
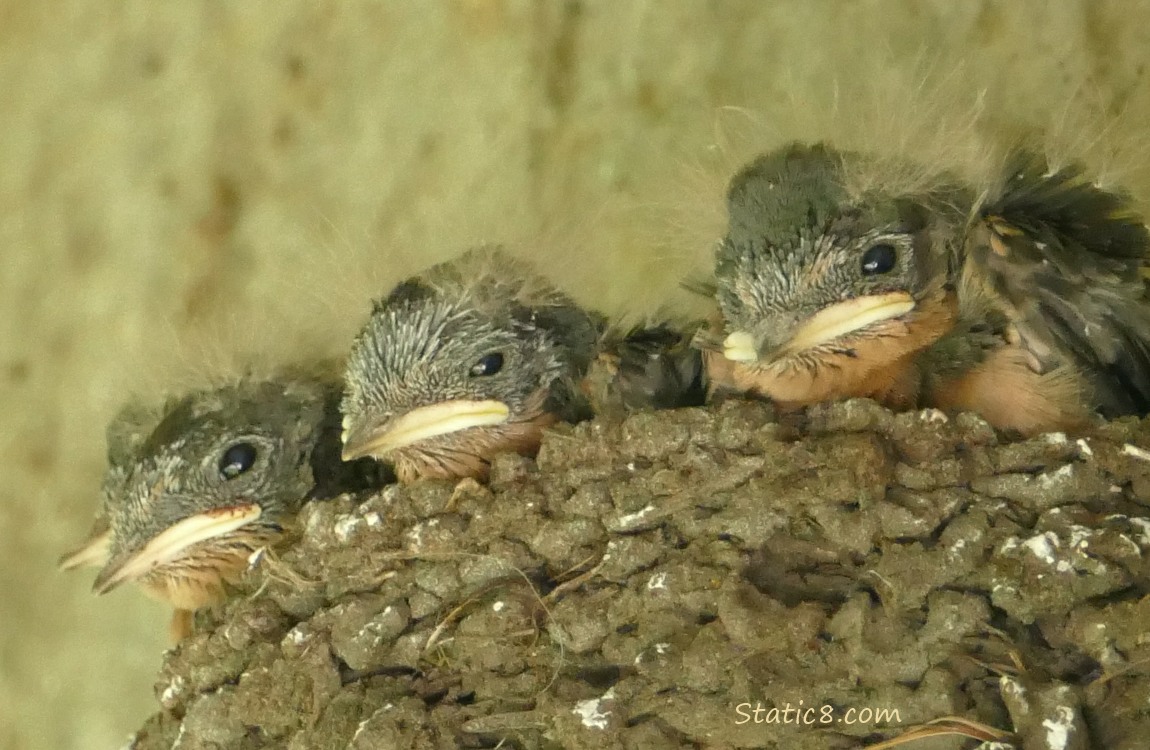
(179, 181)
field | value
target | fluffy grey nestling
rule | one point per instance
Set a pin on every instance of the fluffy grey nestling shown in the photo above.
(1021, 299)
(194, 488)
(473, 357)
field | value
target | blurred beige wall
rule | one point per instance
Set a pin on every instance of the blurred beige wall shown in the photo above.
(179, 180)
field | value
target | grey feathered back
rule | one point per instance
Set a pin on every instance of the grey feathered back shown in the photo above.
(1073, 279)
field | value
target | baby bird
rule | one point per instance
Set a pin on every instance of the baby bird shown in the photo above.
(1024, 303)
(472, 358)
(194, 489)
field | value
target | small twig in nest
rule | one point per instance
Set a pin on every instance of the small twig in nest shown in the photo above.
(947, 725)
(890, 586)
(465, 486)
(575, 582)
(478, 556)
(1001, 670)
(1130, 667)
(276, 569)
(586, 560)
(451, 617)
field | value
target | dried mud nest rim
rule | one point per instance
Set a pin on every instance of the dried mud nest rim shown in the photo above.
(642, 579)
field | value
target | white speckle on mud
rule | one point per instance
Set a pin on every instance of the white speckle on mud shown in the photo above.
(374, 625)
(298, 635)
(1013, 687)
(657, 581)
(631, 519)
(370, 630)
(659, 649)
(934, 416)
(1043, 545)
(172, 691)
(1136, 452)
(1050, 478)
(593, 717)
(498, 606)
(1059, 728)
(345, 526)
(1111, 657)
(312, 521)
(630, 466)
(1135, 548)
(1010, 589)
(255, 557)
(1055, 438)
(373, 519)
(1144, 525)
(1084, 447)
(363, 724)
(1080, 537)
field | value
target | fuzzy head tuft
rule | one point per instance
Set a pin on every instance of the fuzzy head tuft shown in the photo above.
(503, 346)
(799, 243)
(205, 454)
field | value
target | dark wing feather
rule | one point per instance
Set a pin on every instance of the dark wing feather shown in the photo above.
(331, 475)
(650, 365)
(1064, 258)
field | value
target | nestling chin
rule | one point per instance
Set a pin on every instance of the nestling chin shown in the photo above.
(878, 363)
(826, 378)
(201, 576)
(469, 452)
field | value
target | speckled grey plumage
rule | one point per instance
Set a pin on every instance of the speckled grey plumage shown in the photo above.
(167, 464)
(1069, 289)
(426, 335)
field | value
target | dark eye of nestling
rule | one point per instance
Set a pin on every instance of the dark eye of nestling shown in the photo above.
(236, 460)
(879, 259)
(488, 364)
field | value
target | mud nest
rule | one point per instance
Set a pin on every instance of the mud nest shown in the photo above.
(650, 583)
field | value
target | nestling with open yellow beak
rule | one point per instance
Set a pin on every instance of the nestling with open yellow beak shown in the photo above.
(1023, 301)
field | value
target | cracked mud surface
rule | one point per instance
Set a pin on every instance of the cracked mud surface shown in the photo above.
(642, 579)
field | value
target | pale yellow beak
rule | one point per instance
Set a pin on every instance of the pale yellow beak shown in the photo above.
(826, 325)
(93, 554)
(740, 347)
(173, 541)
(421, 424)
